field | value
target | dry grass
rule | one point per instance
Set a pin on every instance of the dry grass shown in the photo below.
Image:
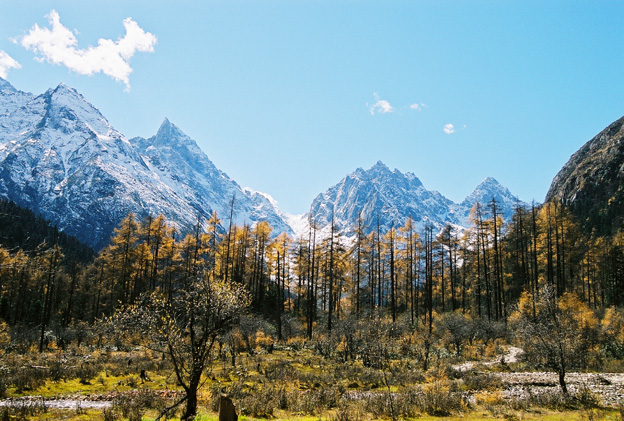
(286, 384)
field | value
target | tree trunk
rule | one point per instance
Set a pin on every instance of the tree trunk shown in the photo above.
(227, 412)
(278, 306)
(191, 401)
(331, 276)
(562, 370)
(191, 405)
(562, 383)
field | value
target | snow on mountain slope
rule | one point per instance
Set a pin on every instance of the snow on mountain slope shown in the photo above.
(60, 157)
(182, 165)
(487, 190)
(18, 113)
(380, 193)
(73, 168)
(393, 197)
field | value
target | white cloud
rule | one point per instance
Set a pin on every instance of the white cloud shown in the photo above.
(417, 106)
(7, 63)
(449, 129)
(60, 46)
(381, 106)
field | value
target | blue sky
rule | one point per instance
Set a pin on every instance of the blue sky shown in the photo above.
(288, 96)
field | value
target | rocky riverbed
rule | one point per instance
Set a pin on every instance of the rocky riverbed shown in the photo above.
(79, 401)
(608, 387)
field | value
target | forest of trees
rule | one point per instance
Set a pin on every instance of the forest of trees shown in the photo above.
(537, 278)
(322, 277)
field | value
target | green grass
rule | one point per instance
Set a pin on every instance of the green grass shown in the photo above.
(101, 384)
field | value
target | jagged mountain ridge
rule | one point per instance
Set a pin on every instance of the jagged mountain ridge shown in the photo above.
(487, 190)
(62, 159)
(178, 160)
(393, 197)
(591, 183)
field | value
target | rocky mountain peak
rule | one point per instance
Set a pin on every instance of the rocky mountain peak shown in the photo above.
(490, 181)
(393, 197)
(68, 96)
(169, 135)
(6, 87)
(177, 160)
(165, 129)
(18, 113)
(487, 190)
(490, 189)
(380, 167)
(591, 183)
(61, 87)
(380, 174)
(67, 110)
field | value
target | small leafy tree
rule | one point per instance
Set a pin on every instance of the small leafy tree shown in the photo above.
(185, 327)
(5, 337)
(559, 333)
(455, 329)
(612, 332)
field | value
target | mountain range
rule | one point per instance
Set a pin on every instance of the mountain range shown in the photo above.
(61, 158)
(394, 197)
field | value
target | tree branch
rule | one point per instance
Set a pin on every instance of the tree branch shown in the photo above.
(166, 410)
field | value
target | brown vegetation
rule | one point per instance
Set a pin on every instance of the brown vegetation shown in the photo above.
(318, 324)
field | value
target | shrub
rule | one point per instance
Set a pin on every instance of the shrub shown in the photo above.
(109, 415)
(85, 372)
(456, 329)
(279, 371)
(132, 405)
(349, 412)
(587, 398)
(378, 404)
(312, 401)
(551, 400)
(491, 401)
(438, 399)
(481, 381)
(5, 337)
(406, 404)
(28, 378)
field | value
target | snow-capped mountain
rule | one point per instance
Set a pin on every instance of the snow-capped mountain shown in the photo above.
(487, 190)
(179, 162)
(393, 197)
(15, 117)
(379, 192)
(61, 158)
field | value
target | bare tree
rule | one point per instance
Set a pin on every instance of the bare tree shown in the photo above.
(559, 334)
(186, 327)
